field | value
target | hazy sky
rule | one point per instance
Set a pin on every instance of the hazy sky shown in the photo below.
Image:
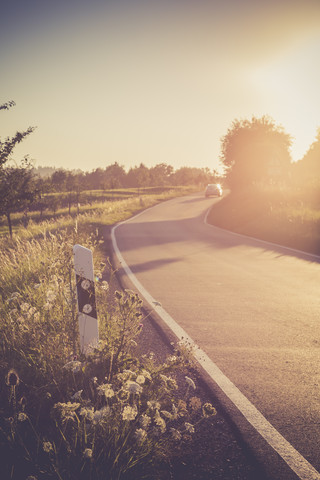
(156, 80)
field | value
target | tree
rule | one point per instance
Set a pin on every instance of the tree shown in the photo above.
(17, 190)
(255, 151)
(307, 170)
(7, 146)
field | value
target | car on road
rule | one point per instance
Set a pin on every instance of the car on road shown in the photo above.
(213, 189)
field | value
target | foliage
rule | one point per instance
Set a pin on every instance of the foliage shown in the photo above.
(7, 146)
(255, 151)
(65, 415)
(17, 190)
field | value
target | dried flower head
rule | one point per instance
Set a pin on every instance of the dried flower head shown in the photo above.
(47, 447)
(88, 453)
(208, 410)
(12, 379)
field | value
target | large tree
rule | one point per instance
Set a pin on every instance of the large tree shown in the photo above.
(255, 151)
(17, 190)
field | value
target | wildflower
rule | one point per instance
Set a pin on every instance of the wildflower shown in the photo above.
(100, 415)
(171, 359)
(105, 285)
(47, 447)
(153, 405)
(195, 403)
(87, 412)
(77, 395)
(24, 307)
(159, 421)
(189, 427)
(146, 375)
(144, 421)
(73, 366)
(66, 411)
(190, 382)
(140, 435)
(133, 387)
(106, 390)
(87, 453)
(22, 417)
(208, 410)
(129, 413)
(176, 435)
(141, 379)
(12, 379)
(51, 296)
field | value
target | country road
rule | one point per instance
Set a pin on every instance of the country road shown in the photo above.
(252, 307)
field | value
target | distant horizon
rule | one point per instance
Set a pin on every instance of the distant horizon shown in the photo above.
(155, 82)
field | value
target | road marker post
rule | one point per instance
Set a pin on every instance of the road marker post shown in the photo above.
(87, 310)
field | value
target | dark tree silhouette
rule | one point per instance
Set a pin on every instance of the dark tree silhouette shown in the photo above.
(255, 151)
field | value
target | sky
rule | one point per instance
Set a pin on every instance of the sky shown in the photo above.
(155, 81)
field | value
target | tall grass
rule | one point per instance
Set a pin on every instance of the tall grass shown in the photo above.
(109, 414)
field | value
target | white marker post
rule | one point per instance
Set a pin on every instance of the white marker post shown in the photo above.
(88, 320)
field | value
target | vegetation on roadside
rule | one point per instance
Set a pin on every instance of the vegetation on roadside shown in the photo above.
(66, 415)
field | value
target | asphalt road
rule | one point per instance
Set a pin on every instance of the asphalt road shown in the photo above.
(252, 307)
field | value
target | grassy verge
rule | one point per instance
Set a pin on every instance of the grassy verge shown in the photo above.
(92, 214)
(64, 415)
(285, 216)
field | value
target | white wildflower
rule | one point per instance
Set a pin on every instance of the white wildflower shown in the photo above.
(25, 307)
(133, 387)
(159, 421)
(106, 390)
(100, 415)
(146, 374)
(105, 285)
(47, 447)
(73, 366)
(140, 435)
(141, 379)
(144, 421)
(171, 359)
(51, 296)
(22, 417)
(153, 405)
(129, 413)
(87, 453)
(190, 382)
(87, 412)
(189, 427)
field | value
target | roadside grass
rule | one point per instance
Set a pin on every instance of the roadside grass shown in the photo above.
(64, 415)
(283, 215)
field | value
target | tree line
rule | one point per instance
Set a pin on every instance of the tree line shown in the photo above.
(253, 152)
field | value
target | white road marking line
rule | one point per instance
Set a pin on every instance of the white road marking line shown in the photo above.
(288, 453)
